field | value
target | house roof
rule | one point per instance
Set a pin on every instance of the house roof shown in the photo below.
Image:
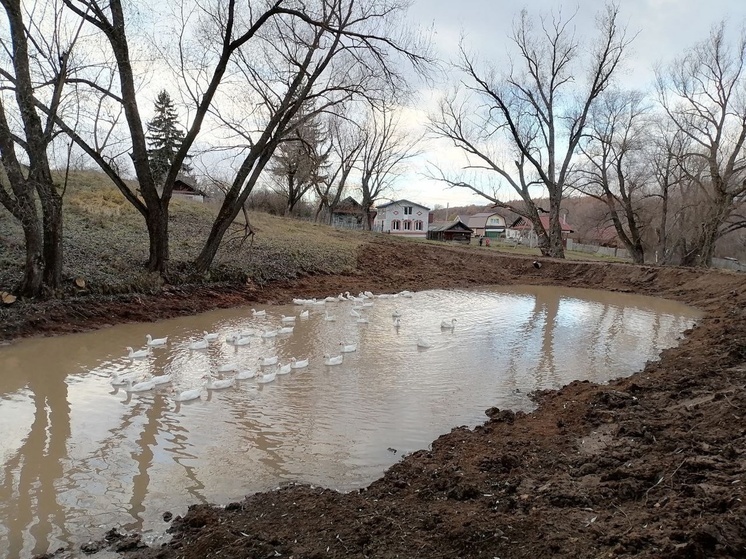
(448, 226)
(403, 202)
(523, 224)
(347, 206)
(478, 219)
(185, 183)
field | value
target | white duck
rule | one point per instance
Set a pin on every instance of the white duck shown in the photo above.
(330, 299)
(155, 342)
(219, 384)
(258, 313)
(336, 360)
(161, 379)
(245, 340)
(284, 369)
(405, 293)
(121, 380)
(299, 301)
(396, 313)
(268, 361)
(140, 386)
(231, 338)
(269, 334)
(227, 368)
(186, 395)
(348, 348)
(304, 314)
(424, 343)
(397, 323)
(245, 374)
(329, 317)
(286, 330)
(139, 354)
(298, 363)
(368, 294)
(199, 344)
(451, 324)
(341, 297)
(264, 379)
(210, 336)
(288, 318)
(354, 313)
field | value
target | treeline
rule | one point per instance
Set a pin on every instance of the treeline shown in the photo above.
(259, 79)
(669, 167)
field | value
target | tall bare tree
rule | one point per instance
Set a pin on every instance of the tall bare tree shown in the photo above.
(614, 167)
(537, 111)
(340, 50)
(30, 178)
(346, 141)
(236, 24)
(704, 95)
(386, 148)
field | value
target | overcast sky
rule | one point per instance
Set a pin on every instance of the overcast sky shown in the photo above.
(664, 28)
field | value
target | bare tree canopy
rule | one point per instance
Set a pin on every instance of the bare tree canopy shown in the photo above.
(522, 127)
(704, 95)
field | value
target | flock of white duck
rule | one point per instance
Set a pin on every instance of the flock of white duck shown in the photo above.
(268, 367)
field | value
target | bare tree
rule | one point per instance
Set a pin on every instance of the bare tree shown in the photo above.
(346, 141)
(33, 135)
(704, 95)
(300, 162)
(386, 147)
(538, 109)
(237, 25)
(340, 50)
(615, 169)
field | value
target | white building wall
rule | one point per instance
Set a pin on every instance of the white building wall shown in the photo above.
(392, 218)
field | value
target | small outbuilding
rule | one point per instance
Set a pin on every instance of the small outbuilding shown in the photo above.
(449, 231)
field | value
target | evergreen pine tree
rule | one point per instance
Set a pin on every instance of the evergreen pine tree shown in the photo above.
(164, 137)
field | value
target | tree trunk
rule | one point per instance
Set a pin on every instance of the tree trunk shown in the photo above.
(556, 250)
(157, 222)
(51, 203)
(31, 284)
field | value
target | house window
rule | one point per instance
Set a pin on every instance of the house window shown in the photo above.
(395, 225)
(408, 225)
(418, 225)
(407, 210)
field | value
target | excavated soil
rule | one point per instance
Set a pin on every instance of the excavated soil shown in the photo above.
(653, 465)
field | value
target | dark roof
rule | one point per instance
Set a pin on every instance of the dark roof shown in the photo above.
(347, 206)
(404, 202)
(185, 183)
(448, 226)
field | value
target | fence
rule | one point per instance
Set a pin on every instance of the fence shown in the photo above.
(599, 250)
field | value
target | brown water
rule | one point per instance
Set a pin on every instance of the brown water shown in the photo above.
(79, 456)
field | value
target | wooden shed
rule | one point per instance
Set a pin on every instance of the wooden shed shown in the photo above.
(449, 231)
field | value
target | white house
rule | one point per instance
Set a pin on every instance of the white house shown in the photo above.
(403, 217)
(488, 224)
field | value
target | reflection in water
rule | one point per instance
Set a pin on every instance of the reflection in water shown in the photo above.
(79, 455)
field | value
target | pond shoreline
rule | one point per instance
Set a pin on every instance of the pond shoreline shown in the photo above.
(647, 466)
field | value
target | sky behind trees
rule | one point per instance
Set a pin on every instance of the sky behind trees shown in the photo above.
(664, 29)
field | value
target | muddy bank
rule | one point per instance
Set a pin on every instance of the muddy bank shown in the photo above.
(648, 466)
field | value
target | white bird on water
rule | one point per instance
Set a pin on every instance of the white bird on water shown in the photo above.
(286, 330)
(186, 395)
(210, 336)
(348, 348)
(448, 324)
(139, 354)
(265, 378)
(304, 314)
(298, 363)
(220, 384)
(424, 343)
(155, 342)
(336, 360)
(268, 361)
(397, 323)
(284, 369)
(245, 374)
(199, 344)
(329, 317)
(140, 386)
(288, 318)
(161, 379)
(258, 313)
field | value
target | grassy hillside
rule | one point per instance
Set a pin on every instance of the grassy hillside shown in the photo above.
(105, 242)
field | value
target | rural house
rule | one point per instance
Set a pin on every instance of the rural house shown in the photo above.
(523, 230)
(349, 214)
(403, 217)
(487, 224)
(449, 231)
(185, 187)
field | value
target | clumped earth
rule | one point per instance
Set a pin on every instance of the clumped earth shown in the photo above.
(648, 466)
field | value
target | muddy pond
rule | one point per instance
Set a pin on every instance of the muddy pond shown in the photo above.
(81, 455)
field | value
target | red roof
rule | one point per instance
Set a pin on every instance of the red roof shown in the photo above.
(523, 224)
